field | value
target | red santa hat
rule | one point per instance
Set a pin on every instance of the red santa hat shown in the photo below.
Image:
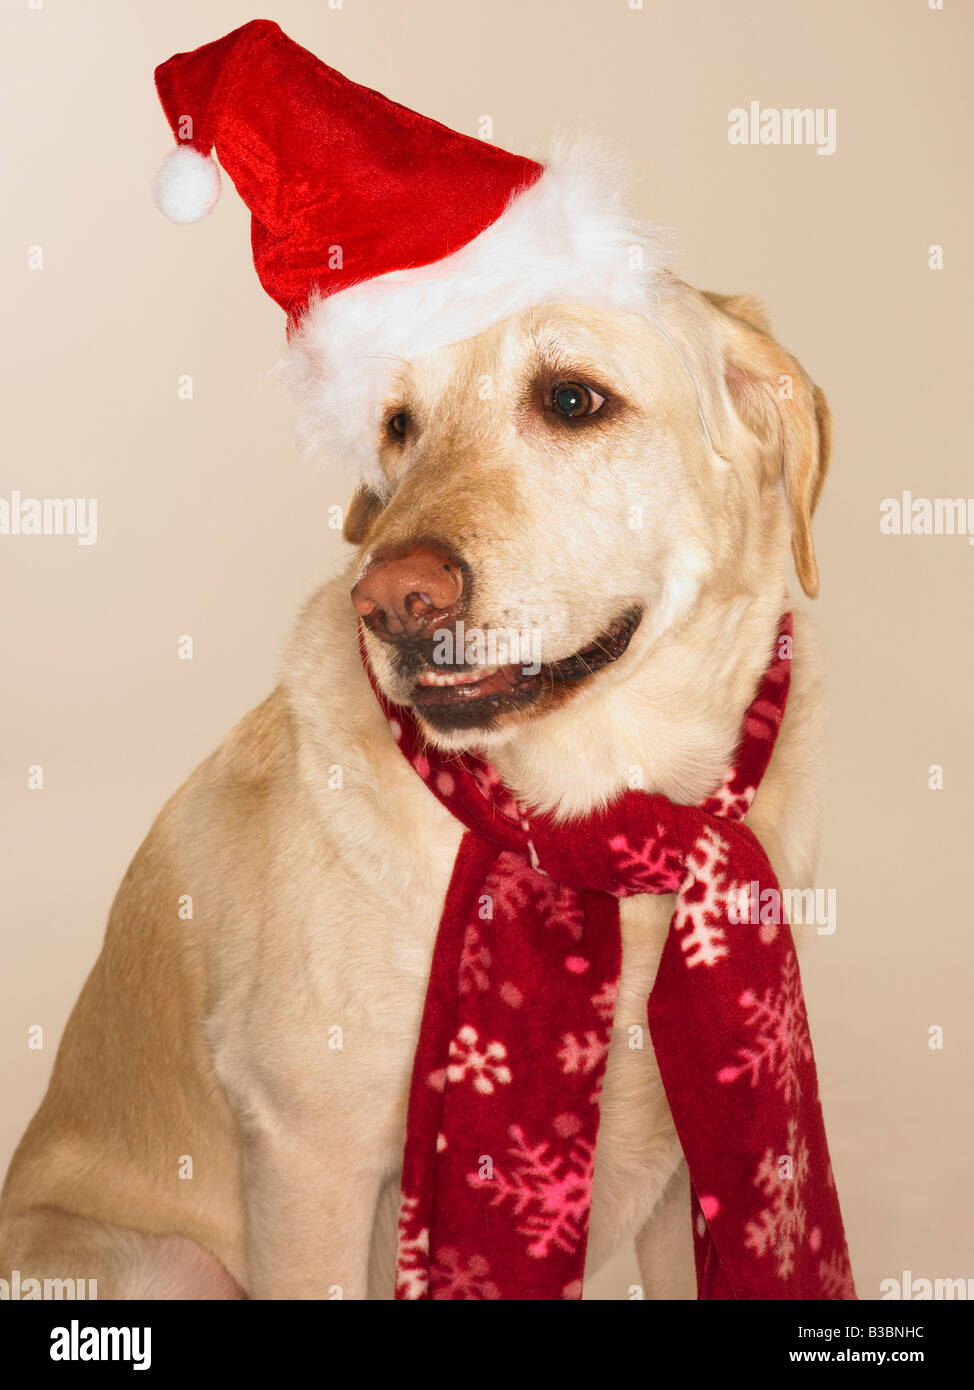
(380, 232)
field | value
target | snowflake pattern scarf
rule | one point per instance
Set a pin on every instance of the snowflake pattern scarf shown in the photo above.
(504, 1103)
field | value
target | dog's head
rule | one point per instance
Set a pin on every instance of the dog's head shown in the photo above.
(561, 489)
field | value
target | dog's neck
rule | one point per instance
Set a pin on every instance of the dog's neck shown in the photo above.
(668, 726)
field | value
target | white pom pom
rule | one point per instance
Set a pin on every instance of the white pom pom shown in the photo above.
(187, 186)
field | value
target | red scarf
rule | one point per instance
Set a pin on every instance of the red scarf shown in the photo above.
(504, 1103)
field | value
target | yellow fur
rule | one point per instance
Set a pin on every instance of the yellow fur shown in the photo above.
(316, 906)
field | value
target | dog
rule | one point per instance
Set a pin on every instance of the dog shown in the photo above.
(226, 1114)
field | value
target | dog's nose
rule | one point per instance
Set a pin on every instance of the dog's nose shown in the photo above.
(402, 596)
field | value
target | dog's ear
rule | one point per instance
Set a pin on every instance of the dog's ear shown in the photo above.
(746, 307)
(360, 513)
(786, 412)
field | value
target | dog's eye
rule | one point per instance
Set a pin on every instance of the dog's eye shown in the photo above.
(397, 425)
(571, 399)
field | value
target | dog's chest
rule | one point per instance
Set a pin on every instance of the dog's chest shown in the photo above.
(634, 1110)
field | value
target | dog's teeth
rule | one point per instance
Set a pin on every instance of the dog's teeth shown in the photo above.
(454, 678)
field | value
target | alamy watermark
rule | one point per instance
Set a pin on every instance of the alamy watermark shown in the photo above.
(50, 516)
(752, 905)
(912, 1289)
(24, 1289)
(495, 647)
(755, 124)
(907, 515)
(77, 1343)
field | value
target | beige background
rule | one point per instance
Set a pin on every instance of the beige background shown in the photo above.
(210, 526)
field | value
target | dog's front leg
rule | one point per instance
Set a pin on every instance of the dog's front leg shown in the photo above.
(310, 1210)
(664, 1245)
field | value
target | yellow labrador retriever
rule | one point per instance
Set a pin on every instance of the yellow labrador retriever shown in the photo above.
(226, 1113)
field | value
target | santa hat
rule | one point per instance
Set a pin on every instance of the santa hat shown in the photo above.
(380, 232)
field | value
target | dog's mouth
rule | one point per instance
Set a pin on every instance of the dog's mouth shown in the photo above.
(464, 696)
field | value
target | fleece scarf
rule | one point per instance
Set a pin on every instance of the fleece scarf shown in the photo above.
(504, 1104)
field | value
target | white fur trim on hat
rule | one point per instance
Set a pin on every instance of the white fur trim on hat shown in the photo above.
(187, 185)
(565, 240)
